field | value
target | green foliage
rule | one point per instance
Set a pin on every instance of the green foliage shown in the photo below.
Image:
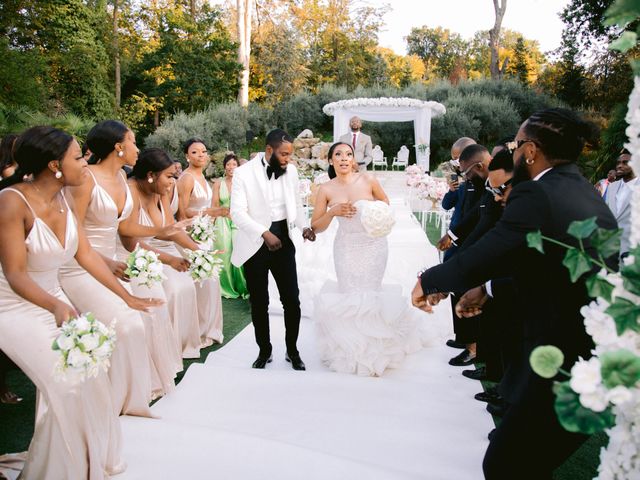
(599, 287)
(577, 262)
(631, 272)
(222, 127)
(534, 240)
(576, 418)
(582, 228)
(613, 138)
(17, 120)
(546, 360)
(299, 112)
(626, 314)
(22, 77)
(620, 368)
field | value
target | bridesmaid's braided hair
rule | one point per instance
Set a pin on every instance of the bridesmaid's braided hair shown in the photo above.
(34, 149)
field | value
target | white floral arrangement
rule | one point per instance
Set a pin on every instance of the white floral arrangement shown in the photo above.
(204, 264)
(321, 178)
(144, 266)
(413, 173)
(203, 230)
(436, 108)
(304, 187)
(85, 346)
(377, 219)
(432, 188)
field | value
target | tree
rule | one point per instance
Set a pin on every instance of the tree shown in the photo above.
(116, 56)
(519, 68)
(499, 7)
(443, 52)
(244, 49)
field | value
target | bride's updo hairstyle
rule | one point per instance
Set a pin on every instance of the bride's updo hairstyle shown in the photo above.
(560, 133)
(102, 138)
(151, 160)
(34, 149)
(332, 171)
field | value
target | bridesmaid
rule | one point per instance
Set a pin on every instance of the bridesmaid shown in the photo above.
(151, 182)
(232, 281)
(103, 205)
(195, 197)
(77, 435)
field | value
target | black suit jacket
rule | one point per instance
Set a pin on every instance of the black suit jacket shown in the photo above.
(548, 303)
(488, 213)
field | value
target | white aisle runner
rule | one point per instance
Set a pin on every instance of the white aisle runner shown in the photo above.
(228, 421)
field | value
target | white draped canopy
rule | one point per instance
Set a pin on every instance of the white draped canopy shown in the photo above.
(388, 110)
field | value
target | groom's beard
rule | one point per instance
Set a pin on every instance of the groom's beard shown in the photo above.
(520, 172)
(274, 163)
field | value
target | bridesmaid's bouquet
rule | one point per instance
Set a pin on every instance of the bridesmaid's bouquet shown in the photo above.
(204, 264)
(377, 219)
(203, 230)
(85, 346)
(145, 266)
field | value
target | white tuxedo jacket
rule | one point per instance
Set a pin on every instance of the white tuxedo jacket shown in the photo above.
(250, 209)
(623, 215)
(363, 150)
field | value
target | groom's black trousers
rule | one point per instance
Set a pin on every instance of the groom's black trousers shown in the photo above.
(282, 264)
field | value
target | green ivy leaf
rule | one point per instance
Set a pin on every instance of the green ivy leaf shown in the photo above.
(620, 367)
(599, 287)
(577, 262)
(631, 273)
(606, 242)
(582, 228)
(534, 240)
(624, 42)
(546, 360)
(635, 66)
(625, 314)
(622, 12)
(576, 418)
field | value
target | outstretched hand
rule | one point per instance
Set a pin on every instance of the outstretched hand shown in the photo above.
(471, 303)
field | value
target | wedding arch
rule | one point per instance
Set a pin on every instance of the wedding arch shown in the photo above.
(385, 109)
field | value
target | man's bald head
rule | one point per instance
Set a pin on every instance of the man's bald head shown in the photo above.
(459, 145)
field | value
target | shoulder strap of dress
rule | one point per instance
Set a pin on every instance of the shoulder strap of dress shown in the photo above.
(24, 199)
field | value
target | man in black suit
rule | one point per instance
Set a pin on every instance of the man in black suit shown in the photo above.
(548, 194)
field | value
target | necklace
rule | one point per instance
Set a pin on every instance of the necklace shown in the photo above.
(60, 206)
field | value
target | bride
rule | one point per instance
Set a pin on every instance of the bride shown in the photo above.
(363, 327)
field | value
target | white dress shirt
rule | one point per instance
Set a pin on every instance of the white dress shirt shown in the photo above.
(624, 193)
(275, 194)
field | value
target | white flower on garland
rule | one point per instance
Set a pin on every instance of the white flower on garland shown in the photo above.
(585, 376)
(204, 264)
(436, 108)
(144, 266)
(377, 219)
(203, 230)
(85, 346)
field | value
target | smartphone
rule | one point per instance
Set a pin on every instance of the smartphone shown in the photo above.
(453, 177)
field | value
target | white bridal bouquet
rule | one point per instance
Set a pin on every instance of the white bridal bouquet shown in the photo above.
(203, 230)
(85, 346)
(204, 264)
(377, 219)
(145, 266)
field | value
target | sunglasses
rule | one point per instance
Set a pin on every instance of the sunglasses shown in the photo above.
(497, 190)
(466, 172)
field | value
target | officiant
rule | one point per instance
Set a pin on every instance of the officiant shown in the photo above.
(360, 142)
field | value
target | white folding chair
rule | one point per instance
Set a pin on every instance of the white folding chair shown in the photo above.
(379, 160)
(402, 160)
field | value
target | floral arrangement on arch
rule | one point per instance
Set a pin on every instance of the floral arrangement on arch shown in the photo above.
(436, 108)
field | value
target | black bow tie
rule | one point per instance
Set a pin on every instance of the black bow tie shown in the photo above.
(271, 172)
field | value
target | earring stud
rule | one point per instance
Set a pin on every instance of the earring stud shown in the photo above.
(150, 180)
(58, 175)
(121, 153)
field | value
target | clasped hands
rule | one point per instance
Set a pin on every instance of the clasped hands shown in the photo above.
(273, 243)
(469, 305)
(425, 302)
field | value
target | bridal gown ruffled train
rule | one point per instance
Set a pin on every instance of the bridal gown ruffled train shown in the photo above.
(363, 326)
(77, 434)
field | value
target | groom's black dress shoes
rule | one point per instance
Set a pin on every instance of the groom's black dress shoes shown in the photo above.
(463, 359)
(296, 362)
(262, 361)
(477, 374)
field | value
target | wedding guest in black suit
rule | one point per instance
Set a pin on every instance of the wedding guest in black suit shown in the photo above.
(548, 194)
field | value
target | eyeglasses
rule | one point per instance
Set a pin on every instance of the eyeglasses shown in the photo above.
(497, 190)
(466, 172)
(513, 146)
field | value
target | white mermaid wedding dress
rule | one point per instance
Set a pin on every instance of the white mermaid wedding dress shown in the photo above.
(363, 326)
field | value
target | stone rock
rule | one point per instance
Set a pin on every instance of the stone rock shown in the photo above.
(304, 153)
(306, 134)
(320, 150)
(322, 164)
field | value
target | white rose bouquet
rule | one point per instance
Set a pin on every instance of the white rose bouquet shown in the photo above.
(85, 346)
(203, 230)
(204, 264)
(377, 219)
(145, 266)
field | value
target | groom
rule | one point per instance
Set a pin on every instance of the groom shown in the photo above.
(265, 205)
